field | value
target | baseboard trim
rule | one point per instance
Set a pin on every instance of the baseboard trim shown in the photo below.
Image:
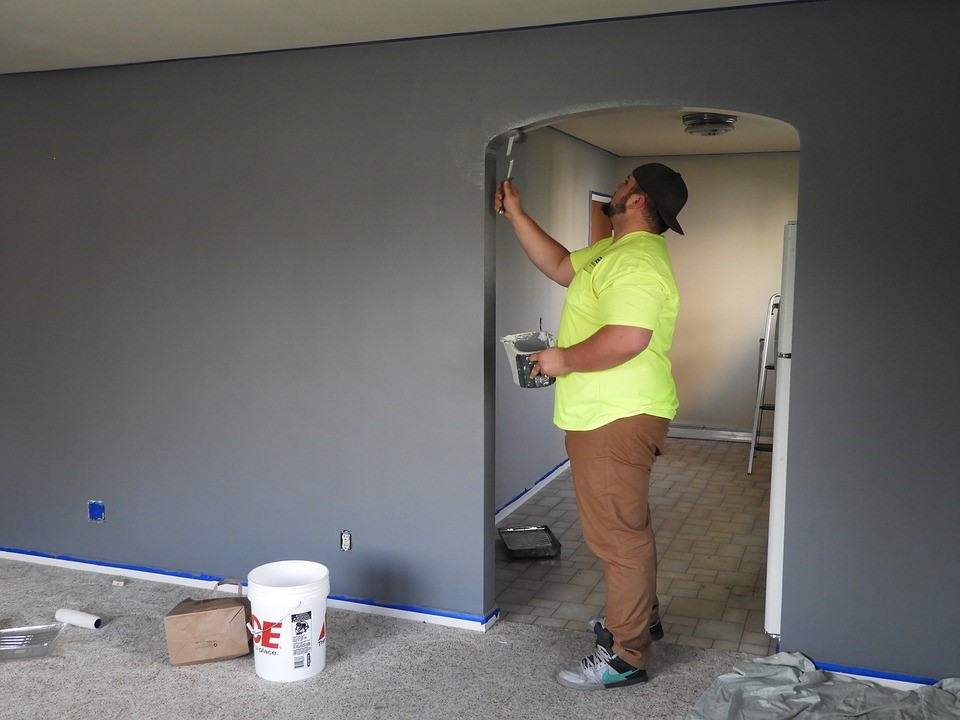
(528, 493)
(480, 623)
(700, 432)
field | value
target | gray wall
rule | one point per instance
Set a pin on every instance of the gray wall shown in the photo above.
(249, 302)
(554, 174)
(227, 321)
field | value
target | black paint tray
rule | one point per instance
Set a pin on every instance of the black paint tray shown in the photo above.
(530, 543)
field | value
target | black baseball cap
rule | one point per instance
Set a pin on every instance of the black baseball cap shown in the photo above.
(667, 189)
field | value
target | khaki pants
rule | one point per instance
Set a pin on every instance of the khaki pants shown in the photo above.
(611, 476)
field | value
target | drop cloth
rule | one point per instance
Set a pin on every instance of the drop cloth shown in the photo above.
(788, 685)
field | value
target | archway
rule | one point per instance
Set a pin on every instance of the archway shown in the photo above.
(727, 266)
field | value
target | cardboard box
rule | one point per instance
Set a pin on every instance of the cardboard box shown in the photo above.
(200, 631)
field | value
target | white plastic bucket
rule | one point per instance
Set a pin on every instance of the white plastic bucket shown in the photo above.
(519, 347)
(288, 619)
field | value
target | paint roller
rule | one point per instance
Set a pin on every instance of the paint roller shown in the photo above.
(78, 618)
(514, 136)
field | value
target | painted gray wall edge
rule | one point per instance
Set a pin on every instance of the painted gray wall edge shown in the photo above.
(550, 169)
(247, 302)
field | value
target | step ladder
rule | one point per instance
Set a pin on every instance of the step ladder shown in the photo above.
(767, 365)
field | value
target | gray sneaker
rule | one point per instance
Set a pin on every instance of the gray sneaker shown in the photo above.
(602, 669)
(656, 627)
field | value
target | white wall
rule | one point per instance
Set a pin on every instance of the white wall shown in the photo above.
(727, 266)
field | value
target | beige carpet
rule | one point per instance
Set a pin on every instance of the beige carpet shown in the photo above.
(377, 667)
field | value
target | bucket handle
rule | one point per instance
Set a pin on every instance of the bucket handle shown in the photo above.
(256, 633)
(228, 581)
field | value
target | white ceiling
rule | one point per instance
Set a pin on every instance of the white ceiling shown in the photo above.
(660, 131)
(37, 35)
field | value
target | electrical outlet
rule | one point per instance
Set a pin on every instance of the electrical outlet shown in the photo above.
(96, 511)
(346, 540)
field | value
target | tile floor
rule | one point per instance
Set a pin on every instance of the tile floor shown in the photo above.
(710, 520)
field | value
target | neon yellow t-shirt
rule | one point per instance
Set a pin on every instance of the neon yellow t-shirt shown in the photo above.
(629, 282)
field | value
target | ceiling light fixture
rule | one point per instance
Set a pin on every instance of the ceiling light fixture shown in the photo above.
(708, 124)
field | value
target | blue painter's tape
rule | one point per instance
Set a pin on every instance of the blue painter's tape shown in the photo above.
(526, 490)
(117, 566)
(555, 468)
(215, 578)
(512, 500)
(830, 667)
(420, 610)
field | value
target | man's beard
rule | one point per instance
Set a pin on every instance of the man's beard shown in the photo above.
(609, 209)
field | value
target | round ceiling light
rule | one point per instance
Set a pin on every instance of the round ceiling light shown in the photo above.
(708, 124)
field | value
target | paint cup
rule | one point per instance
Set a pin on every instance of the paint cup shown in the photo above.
(519, 348)
(288, 613)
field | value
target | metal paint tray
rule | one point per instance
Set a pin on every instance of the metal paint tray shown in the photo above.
(530, 543)
(519, 348)
(28, 642)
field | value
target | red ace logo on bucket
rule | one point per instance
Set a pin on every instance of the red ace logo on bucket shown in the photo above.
(266, 635)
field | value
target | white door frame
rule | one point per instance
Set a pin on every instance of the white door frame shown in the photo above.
(778, 470)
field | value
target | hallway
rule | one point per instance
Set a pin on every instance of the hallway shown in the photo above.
(710, 519)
